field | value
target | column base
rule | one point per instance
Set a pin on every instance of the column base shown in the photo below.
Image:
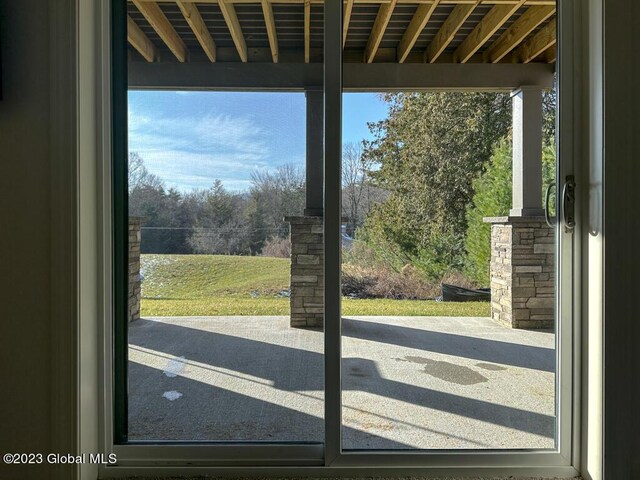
(307, 271)
(522, 272)
(133, 303)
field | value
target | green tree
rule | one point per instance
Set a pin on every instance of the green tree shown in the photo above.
(222, 227)
(427, 153)
(492, 198)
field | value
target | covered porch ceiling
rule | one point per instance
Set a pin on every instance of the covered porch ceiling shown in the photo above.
(388, 44)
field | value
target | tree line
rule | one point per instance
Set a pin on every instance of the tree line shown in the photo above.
(219, 221)
(214, 220)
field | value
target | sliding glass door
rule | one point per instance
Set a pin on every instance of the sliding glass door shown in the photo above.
(342, 233)
(452, 243)
(219, 195)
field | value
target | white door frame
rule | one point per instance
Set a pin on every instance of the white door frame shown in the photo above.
(308, 459)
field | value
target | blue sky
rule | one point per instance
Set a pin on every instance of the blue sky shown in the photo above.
(189, 139)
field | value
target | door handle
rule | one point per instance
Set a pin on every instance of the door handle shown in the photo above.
(551, 220)
(569, 203)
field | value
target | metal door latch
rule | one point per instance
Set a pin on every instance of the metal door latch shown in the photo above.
(550, 219)
(569, 203)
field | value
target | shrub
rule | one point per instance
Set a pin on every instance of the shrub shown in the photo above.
(279, 247)
(369, 273)
(441, 255)
(381, 281)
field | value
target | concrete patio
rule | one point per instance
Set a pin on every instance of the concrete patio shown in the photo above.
(408, 382)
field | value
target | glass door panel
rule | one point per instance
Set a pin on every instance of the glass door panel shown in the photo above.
(449, 329)
(223, 339)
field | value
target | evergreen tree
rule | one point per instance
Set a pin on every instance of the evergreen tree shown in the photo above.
(428, 151)
(492, 198)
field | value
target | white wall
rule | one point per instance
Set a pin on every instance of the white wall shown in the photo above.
(25, 327)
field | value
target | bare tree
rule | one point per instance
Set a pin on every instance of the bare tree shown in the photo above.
(278, 194)
(139, 176)
(358, 194)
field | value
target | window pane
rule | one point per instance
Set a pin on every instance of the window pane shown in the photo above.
(217, 193)
(448, 265)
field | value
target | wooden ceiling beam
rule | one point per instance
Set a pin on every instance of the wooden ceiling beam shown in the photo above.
(448, 30)
(346, 15)
(200, 30)
(163, 28)
(415, 28)
(484, 30)
(377, 32)
(518, 31)
(551, 54)
(372, 2)
(307, 30)
(270, 24)
(140, 41)
(357, 77)
(541, 41)
(233, 24)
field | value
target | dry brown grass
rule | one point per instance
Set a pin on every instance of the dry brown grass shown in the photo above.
(381, 281)
(277, 247)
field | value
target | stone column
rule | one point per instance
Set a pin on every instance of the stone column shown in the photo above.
(134, 268)
(522, 272)
(307, 271)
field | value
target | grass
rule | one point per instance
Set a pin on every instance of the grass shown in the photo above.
(203, 285)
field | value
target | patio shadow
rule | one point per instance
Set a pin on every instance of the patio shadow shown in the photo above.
(494, 351)
(213, 413)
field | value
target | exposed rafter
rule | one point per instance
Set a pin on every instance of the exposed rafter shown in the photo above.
(163, 28)
(518, 31)
(448, 30)
(200, 30)
(307, 30)
(270, 24)
(514, 43)
(377, 32)
(415, 28)
(346, 17)
(231, 19)
(372, 2)
(482, 32)
(550, 54)
(541, 41)
(140, 41)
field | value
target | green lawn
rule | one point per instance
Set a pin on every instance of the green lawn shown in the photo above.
(179, 285)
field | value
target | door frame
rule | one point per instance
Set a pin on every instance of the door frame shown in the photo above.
(330, 458)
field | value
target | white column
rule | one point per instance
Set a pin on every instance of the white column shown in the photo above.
(527, 152)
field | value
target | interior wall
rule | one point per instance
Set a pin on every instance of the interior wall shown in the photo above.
(621, 230)
(25, 280)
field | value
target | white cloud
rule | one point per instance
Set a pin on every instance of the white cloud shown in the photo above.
(190, 152)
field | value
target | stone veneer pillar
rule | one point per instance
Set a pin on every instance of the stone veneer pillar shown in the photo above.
(307, 271)
(522, 272)
(134, 269)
